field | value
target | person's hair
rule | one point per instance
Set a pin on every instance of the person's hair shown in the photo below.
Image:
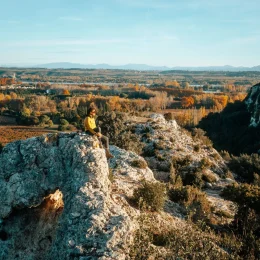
(90, 109)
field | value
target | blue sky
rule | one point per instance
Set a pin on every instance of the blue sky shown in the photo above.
(165, 32)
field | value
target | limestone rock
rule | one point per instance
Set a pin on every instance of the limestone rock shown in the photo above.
(39, 175)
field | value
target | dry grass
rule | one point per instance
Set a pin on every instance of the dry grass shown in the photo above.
(10, 134)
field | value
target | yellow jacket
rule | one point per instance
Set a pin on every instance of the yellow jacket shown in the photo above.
(90, 124)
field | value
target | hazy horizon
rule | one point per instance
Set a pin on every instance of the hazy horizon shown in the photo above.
(118, 32)
(123, 64)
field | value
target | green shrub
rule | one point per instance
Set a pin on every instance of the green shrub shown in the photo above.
(225, 155)
(62, 128)
(244, 195)
(148, 150)
(199, 134)
(216, 156)
(196, 148)
(43, 120)
(169, 116)
(64, 122)
(71, 128)
(223, 213)
(172, 175)
(208, 177)
(150, 196)
(247, 218)
(159, 156)
(245, 166)
(155, 240)
(181, 163)
(139, 164)
(256, 179)
(50, 123)
(193, 178)
(205, 163)
(194, 200)
(129, 141)
(112, 125)
(160, 145)
(116, 127)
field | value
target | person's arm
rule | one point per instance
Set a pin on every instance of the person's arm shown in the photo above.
(88, 126)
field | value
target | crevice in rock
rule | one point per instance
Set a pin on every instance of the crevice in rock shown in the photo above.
(29, 232)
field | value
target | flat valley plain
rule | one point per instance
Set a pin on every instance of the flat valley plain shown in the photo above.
(130, 76)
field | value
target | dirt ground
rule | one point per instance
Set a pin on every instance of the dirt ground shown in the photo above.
(12, 133)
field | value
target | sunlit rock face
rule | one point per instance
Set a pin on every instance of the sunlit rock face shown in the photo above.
(165, 141)
(61, 199)
(253, 105)
(56, 200)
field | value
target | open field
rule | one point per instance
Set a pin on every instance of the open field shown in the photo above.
(130, 76)
(10, 134)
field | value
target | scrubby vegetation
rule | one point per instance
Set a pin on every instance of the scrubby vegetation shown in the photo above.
(150, 196)
(194, 201)
(139, 164)
(119, 131)
(246, 166)
(156, 240)
(229, 130)
(246, 224)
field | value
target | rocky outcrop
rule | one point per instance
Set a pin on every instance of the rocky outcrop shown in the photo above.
(61, 199)
(166, 141)
(253, 105)
(56, 200)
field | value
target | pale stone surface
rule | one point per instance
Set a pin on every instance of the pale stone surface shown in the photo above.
(94, 222)
(39, 175)
(171, 141)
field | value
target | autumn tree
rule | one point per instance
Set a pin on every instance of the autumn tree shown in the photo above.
(26, 112)
(173, 83)
(65, 92)
(13, 95)
(160, 101)
(114, 103)
(187, 102)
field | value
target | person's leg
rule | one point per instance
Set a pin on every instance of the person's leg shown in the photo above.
(105, 141)
(97, 130)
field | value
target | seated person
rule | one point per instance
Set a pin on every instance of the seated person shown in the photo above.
(92, 129)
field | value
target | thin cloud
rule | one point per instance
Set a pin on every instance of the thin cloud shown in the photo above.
(71, 18)
(47, 43)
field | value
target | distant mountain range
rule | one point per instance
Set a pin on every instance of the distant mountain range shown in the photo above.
(143, 67)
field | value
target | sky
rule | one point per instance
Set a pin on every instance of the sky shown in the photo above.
(154, 32)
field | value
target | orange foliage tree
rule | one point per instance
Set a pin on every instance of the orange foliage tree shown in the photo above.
(187, 102)
(65, 92)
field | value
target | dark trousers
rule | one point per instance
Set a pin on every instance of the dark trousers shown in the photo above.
(104, 139)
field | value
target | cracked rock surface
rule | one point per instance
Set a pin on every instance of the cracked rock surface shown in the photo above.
(56, 200)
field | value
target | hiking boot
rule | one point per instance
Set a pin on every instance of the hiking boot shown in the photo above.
(108, 154)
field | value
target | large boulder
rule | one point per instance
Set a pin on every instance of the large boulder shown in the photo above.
(56, 200)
